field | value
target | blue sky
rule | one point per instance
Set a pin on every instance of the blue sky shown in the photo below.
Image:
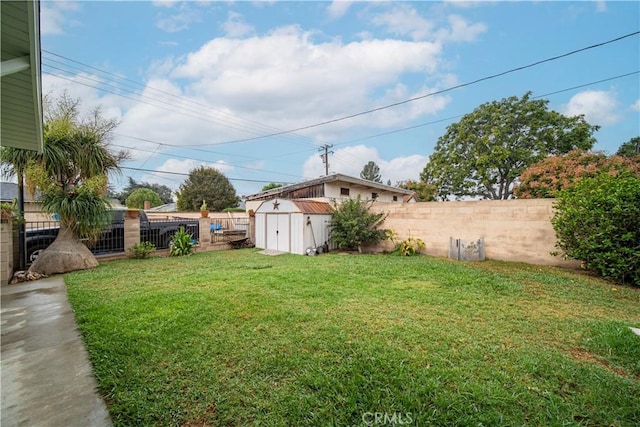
(193, 82)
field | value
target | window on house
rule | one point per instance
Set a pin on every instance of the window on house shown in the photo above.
(395, 198)
(374, 195)
(344, 191)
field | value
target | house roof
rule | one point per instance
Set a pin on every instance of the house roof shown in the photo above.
(21, 98)
(336, 177)
(9, 191)
(313, 207)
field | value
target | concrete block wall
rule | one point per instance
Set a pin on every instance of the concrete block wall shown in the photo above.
(513, 230)
(6, 251)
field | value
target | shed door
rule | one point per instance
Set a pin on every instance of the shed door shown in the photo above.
(278, 232)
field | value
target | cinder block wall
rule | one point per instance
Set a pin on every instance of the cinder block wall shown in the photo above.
(513, 230)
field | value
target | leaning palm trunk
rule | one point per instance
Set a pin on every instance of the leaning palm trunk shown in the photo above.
(66, 253)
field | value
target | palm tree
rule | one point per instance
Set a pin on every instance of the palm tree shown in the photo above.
(71, 174)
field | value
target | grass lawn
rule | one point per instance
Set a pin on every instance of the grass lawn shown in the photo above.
(237, 338)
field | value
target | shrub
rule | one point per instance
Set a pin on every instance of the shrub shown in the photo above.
(142, 249)
(181, 244)
(409, 247)
(597, 222)
(137, 198)
(352, 225)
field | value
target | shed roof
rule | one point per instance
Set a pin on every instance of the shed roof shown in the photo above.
(313, 207)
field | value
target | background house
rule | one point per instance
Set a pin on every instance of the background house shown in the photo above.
(333, 189)
(296, 217)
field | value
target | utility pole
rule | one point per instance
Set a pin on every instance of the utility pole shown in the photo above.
(325, 156)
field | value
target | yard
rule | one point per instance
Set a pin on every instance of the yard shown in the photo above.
(237, 338)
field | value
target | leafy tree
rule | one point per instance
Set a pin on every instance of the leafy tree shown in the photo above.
(164, 192)
(137, 198)
(545, 178)
(271, 186)
(353, 225)
(371, 172)
(425, 191)
(71, 174)
(631, 148)
(208, 184)
(486, 151)
(596, 222)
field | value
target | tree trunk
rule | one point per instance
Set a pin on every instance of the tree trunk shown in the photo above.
(66, 253)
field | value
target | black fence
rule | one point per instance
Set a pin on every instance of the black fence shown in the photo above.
(40, 234)
(161, 231)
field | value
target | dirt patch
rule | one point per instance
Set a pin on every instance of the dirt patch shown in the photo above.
(586, 357)
(210, 414)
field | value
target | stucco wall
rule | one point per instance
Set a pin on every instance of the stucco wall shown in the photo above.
(513, 230)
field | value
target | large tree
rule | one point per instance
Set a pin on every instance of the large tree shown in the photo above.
(547, 177)
(631, 148)
(206, 184)
(140, 195)
(486, 151)
(71, 174)
(371, 172)
(423, 190)
(164, 192)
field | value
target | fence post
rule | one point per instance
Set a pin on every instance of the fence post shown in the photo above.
(6, 251)
(205, 232)
(131, 232)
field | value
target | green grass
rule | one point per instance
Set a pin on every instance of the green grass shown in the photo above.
(237, 338)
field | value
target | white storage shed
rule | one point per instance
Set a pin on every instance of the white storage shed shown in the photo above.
(292, 225)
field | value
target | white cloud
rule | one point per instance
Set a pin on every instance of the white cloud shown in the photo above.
(55, 17)
(461, 30)
(286, 79)
(599, 107)
(351, 160)
(601, 6)
(234, 26)
(164, 3)
(338, 8)
(404, 20)
(179, 21)
(636, 105)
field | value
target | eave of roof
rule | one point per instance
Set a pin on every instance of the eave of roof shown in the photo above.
(21, 112)
(313, 207)
(325, 179)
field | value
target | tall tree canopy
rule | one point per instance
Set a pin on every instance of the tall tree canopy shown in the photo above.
(71, 174)
(271, 186)
(165, 193)
(631, 148)
(140, 195)
(486, 151)
(425, 191)
(371, 172)
(207, 184)
(547, 177)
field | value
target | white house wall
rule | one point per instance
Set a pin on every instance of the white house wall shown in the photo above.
(332, 191)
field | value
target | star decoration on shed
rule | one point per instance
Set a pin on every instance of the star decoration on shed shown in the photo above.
(276, 205)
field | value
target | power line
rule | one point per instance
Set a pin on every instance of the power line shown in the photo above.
(395, 104)
(186, 174)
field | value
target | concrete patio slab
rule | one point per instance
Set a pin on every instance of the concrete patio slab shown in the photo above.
(47, 378)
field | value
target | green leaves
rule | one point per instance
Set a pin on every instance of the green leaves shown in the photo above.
(598, 222)
(483, 154)
(353, 225)
(209, 184)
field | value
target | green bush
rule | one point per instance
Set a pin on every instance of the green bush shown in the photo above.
(598, 223)
(352, 225)
(409, 247)
(181, 244)
(142, 249)
(137, 198)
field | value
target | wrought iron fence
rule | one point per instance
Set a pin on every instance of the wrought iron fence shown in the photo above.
(229, 229)
(40, 234)
(161, 231)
